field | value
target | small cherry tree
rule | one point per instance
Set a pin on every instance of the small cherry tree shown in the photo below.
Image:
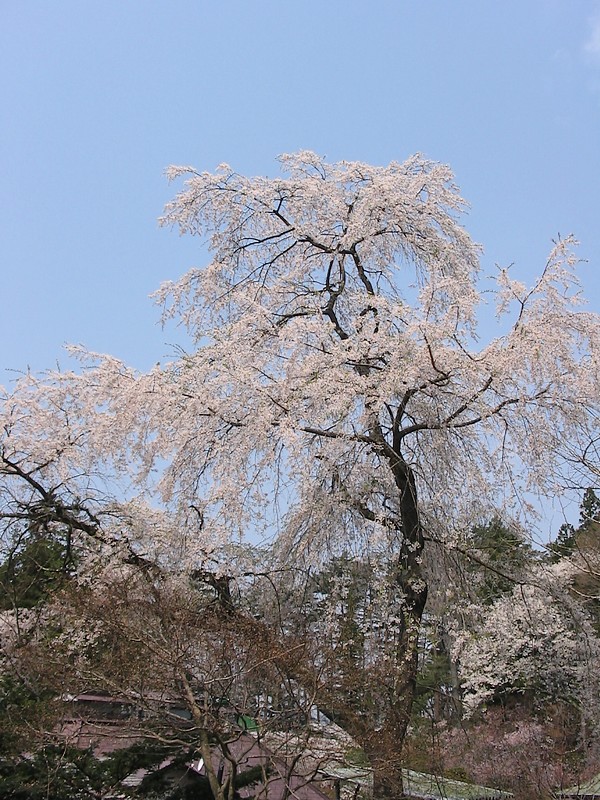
(337, 401)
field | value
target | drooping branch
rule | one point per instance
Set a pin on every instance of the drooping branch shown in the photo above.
(51, 508)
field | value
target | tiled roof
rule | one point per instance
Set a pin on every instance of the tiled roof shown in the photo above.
(432, 787)
(588, 789)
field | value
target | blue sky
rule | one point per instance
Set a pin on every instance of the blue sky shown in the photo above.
(98, 98)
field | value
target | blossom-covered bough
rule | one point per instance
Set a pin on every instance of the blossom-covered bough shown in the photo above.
(337, 400)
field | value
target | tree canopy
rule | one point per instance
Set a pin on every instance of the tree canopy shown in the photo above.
(337, 400)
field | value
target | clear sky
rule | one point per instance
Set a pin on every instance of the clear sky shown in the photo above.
(99, 97)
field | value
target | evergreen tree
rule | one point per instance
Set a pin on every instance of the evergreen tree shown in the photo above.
(499, 558)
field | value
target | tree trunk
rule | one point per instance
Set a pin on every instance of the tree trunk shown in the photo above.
(383, 746)
(385, 749)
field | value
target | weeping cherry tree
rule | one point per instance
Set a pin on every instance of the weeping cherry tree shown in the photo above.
(337, 400)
